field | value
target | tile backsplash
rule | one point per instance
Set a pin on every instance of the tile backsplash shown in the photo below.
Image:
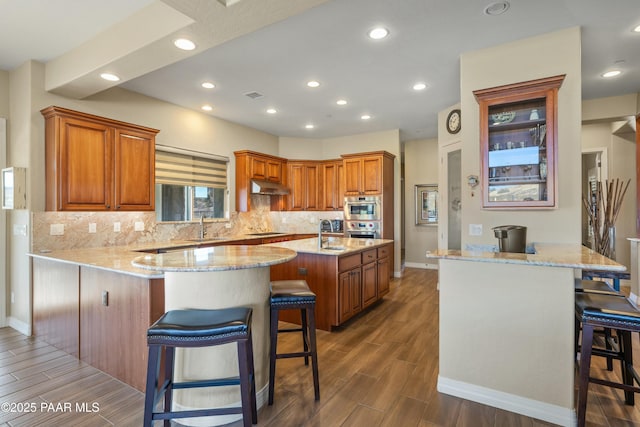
(98, 229)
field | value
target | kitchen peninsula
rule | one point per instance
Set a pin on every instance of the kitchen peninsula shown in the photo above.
(212, 278)
(515, 313)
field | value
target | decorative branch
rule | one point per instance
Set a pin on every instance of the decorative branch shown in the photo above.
(603, 208)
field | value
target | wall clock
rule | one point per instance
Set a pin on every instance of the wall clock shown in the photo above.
(454, 121)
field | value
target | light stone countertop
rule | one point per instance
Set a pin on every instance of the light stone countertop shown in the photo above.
(215, 258)
(331, 245)
(546, 254)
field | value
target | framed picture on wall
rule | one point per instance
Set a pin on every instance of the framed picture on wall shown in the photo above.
(426, 204)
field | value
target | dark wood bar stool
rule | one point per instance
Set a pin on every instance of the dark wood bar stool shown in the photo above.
(199, 328)
(293, 295)
(612, 312)
(615, 276)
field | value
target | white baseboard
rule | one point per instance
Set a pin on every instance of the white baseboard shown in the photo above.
(422, 265)
(633, 298)
(20, 326)
(509, 402)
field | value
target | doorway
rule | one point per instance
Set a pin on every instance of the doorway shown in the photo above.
(450, 225)
(594, 170)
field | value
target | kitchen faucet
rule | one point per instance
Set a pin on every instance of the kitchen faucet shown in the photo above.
(203, 232)
(324, 221)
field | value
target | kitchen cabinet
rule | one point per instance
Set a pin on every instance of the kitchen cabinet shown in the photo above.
(368, 173)
(349, 287)
(383, 269)
(303, 181)
(518, 143)
(99, 316)
(252, 165)
(369, 277)
(332, 180)
(97, 164)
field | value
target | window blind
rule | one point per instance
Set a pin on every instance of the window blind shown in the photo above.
(183, 167)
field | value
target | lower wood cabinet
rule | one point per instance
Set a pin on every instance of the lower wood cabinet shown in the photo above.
(344, 285)
(99, 316)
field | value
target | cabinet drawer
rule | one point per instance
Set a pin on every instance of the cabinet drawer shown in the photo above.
(384, 251)
(369, 256)
(349, 262)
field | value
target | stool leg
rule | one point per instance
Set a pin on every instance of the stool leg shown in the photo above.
(245, 382)
(252, 376)
(272, 352)
(585, 364)
(625, 338)
(151, 390)
(305, 335)
(169, 354)
(314, 351)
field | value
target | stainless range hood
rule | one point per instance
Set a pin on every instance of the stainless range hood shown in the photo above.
(268, 188)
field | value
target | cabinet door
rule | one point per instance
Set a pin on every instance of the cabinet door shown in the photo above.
(383, 272)
(134, 166)
(372, 175)
(369, 284)
(266, 169)
(332, 186)
(296, 177)
(86, 171)
(356, 290)
(518, 134)
(345, 310)
(352, 176)
(312, 187)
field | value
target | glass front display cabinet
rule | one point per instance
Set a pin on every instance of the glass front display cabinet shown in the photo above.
(518, 143)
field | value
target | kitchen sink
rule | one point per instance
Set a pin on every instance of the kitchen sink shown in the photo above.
(334, 248)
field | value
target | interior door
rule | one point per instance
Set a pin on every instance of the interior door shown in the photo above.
(450, 218)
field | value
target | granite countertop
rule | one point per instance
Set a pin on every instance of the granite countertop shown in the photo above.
(331, 245)
(216, 258)
(546, 254)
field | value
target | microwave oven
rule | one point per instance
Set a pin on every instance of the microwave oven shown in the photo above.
(362, 208)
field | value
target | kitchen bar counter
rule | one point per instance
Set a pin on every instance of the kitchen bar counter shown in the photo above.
(515, 314)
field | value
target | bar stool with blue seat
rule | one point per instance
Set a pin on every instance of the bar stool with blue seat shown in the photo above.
(199, 328)
(606, 311)
(293, 295)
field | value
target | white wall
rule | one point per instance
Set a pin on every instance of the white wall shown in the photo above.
(542, 56)
(420, 167)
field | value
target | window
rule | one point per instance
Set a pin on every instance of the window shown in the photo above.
(190, 185)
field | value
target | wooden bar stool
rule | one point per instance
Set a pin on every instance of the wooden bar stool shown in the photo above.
(293, 295)
(613, 312)
(199, 328)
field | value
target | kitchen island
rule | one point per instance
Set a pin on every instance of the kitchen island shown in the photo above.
(211, 278)
(347, 275)
(507, 327)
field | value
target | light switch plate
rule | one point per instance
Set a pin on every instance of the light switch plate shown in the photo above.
(92, 227)
(116, 227)
(138, 226)
(475, 229)
(56, 229)
(20, 230)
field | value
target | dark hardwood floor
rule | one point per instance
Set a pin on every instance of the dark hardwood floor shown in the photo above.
(378, 370)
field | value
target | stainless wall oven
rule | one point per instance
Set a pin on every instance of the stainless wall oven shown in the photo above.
(362, 229)
(362, 208)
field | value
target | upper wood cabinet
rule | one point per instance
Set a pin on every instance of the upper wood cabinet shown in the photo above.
(252, 165)
(518, 143)
(332, 179)
(303, 181)
(97, 164)
(368, 173)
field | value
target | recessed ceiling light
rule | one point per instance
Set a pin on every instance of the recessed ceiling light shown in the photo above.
(313, 83)
(365, 117)
(612, 73)
(378, 33)
(419, 86)
(110, 77)
(208, 85)
(497, 8)
(207, 107)
(184, 44)
(637, 29)
(341, 102)
(271, 111)
(309, 126)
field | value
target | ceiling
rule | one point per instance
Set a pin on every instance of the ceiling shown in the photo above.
(273, 47)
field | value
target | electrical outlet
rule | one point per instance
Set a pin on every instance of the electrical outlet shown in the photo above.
(475, 229)
(56, 229)
(92, 227)
(116, 227)
(227, 225)
(138, 226)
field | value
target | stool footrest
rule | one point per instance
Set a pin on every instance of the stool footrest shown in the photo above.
(290, 330)
(218, 382)
(196, 413)
(292, 355)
